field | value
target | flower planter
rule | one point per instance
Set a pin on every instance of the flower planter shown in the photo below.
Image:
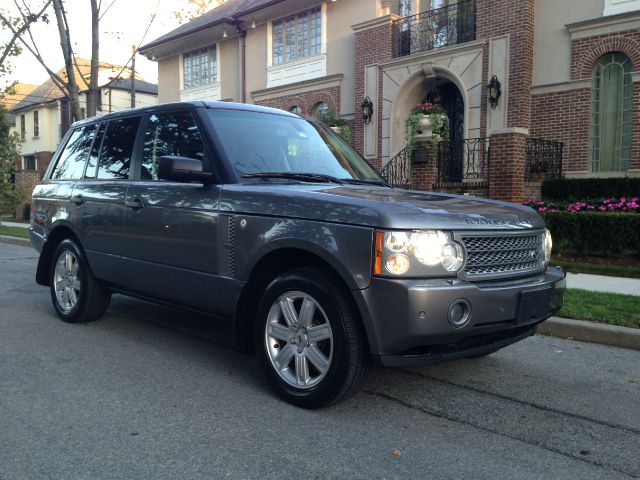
(425, 129)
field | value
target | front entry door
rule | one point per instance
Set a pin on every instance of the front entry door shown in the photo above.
(452, 154)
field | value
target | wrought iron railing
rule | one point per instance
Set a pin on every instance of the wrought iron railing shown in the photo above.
(463, 161)
(435, 28)
(398, 171)
(544, 159)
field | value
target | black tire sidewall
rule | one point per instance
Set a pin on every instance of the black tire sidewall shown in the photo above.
(74, 314)
(320, 288)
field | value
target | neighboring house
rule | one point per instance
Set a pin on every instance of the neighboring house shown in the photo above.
(10, 100)
(43, 116)
(569, 98)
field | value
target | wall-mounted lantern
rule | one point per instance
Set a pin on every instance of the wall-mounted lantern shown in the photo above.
(494, 91)
(367, 110)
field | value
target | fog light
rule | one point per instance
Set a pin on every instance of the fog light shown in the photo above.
(459, 313)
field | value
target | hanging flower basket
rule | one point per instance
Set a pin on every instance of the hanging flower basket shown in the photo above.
(426, 123)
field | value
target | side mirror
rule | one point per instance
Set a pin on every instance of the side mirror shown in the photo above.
(182, 169)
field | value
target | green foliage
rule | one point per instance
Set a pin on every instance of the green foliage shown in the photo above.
(19, 232)
(573, 189)
(594, 233)
(10, 197)
(439, 119)
(330, 119)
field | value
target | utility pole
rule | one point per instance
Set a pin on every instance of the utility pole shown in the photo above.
(133, 76)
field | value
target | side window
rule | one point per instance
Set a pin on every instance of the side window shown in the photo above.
(117, 148)
(173, 133)
(70, 166)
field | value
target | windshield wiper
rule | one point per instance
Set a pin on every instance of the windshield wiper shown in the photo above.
(309, 177)
(362, 181)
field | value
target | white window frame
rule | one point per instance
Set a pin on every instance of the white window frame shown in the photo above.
(200, 52)
(35, 163)
(614, 7)
(209, 91)
(301, 69)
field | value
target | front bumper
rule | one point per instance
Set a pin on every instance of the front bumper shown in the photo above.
(407, 321)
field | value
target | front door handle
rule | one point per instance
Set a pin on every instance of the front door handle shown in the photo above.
(78, 199)
(134, 203)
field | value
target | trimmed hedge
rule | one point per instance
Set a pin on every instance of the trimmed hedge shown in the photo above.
(572, 189)
(594, 233)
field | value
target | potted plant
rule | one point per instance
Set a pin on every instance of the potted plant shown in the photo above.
(426, 123)
(338, 125)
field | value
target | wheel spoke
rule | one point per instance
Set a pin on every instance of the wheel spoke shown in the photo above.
(68, 260)
(76, 284)
(75, 269)
(302, 370)
(284, 357)
(319, 333)
(288, 311)
(306, 312)
(65, 296)
(73, 298)
(319, 360)
(278, 331)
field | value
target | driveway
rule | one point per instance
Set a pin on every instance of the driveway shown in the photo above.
(150, 392)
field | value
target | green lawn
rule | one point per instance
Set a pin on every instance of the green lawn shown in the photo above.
(610, 308)
(14, 231)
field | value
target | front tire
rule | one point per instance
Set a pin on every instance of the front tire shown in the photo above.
(76, 294)
(309, 341)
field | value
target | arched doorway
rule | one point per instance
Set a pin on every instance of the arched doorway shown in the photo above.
(451, 153)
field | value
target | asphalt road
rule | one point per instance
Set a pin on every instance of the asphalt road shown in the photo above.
(154, 393)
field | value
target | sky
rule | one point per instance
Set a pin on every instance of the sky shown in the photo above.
(124, 24)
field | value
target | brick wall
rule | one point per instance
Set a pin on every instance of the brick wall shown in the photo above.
(506, 174)
(585, 52)
(306, 101)
(26, 179)
(373, 45)
(516, 19)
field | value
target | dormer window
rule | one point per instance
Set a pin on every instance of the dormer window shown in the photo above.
(297, 36)
(200, 67)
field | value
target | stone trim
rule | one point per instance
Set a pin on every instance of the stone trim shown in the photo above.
(560, 87)
(432, 56)
(376, 22)
(297, 88)
(604, 25)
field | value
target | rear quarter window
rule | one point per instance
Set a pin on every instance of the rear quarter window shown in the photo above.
(71, 164)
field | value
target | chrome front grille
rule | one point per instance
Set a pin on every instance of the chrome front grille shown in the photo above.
(492, 256)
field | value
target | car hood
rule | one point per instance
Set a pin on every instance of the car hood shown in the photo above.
(377, 206)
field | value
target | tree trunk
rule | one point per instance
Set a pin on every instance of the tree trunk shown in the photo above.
(73, 92)
(92, 94)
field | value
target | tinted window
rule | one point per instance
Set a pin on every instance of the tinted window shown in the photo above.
(72, 160)
(117, 148)
(173, 133)
(92, 164)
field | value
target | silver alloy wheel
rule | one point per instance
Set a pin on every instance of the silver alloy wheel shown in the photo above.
(298, 339)
(66, 281)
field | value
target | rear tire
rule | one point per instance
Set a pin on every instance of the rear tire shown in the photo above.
(76, 294)
(309, 341)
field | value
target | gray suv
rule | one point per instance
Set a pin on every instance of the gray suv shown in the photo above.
(275, 223)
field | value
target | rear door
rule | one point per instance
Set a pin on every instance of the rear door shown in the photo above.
(101, 194)
(171, 227)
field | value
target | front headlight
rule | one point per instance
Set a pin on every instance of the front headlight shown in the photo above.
(417, 254)
(548, 243)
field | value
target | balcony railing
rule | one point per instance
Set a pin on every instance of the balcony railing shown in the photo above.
(435, 28)
(544, 159)
(456, 163)
(463, 161)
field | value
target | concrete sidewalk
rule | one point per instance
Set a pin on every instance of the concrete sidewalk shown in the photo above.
(14, 224)
(602, 283)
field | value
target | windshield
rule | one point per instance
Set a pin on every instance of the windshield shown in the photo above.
(263, 143)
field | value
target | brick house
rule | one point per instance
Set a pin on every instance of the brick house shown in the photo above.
(569, 91)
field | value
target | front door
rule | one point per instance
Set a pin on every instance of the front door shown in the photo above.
(451, 161)
(172, 228)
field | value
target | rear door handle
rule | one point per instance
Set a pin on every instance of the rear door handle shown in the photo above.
(78, 199)
(135, 203)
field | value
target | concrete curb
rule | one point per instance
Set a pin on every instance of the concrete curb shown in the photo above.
(584, 331)
(23, 242)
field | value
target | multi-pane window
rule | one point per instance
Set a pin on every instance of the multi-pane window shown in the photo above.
(23, 128)
(30, 162)
(36, 124)
(297, 36)
(611, 113)
(200, 67)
